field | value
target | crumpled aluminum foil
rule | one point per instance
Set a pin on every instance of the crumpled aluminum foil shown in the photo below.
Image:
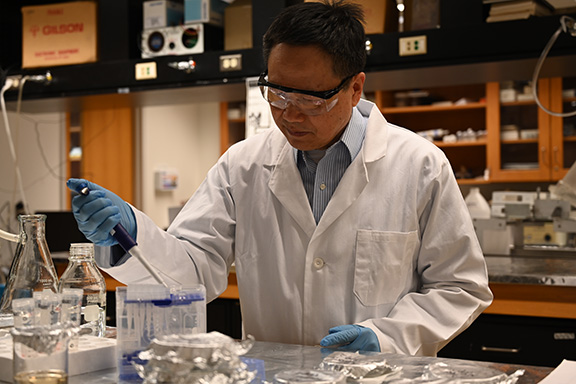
(204, 358)
(309, 376)
(356, 366)
(443, 373)
(459, 373)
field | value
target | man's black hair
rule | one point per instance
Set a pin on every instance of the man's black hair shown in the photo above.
(334, 26)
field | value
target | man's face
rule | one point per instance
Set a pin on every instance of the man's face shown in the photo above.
(309, 68)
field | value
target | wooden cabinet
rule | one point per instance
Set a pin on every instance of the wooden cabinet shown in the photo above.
(516, 141)
(451, 109)
(519, 136)
(563, 129)
(232, 123)
(101, 143)
(544, 157)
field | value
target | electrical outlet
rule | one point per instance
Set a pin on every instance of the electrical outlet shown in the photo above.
(413, 45)
(231, 62)
(146, 71)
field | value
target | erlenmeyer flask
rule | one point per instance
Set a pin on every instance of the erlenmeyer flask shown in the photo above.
(32, 267)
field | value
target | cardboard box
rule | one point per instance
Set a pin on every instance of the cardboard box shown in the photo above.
(204, 11)
(162, 13)
(238, 25)
(380, 15)
(425, 14)
(59, 34)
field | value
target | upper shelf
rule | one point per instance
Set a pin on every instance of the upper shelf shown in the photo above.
(476, 43)
(432, 108)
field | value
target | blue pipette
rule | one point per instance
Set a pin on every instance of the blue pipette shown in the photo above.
(127, 242)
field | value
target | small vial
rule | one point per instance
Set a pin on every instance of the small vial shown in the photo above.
(23, 310)
(82, 273)
(71, 306)
(71, 311)
(47, 305)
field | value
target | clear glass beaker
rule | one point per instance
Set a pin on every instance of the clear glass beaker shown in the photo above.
(32, 268)
(41, 353)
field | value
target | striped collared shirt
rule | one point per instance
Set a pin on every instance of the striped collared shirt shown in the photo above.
(321, 177)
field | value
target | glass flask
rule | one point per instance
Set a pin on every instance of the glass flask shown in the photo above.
(82, 273)
(32, 269)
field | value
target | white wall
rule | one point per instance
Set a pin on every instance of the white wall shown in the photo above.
(182, 137)
(39, 141)
(185, 138)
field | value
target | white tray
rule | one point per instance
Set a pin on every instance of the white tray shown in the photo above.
(93, 354)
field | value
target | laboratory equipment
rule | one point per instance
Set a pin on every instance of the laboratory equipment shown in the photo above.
(41, 354)
(72, 311)
(42, 347)
(145, 312)
(82, 273)
(196, 359)
(32, 267)
(477, 204)
(40, 340)
(523, 222)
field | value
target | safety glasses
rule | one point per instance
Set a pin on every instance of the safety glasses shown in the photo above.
(311, 103)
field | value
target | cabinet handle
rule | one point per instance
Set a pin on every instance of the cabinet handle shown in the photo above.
(543, 150)
(555, 157)
(498, 349)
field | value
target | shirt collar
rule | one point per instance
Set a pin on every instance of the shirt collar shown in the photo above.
(353, 135)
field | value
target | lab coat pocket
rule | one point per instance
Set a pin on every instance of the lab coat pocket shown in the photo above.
(384, 265)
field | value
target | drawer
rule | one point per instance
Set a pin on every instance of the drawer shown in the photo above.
(516, 339)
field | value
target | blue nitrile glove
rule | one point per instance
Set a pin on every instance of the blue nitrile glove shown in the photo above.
(351, 338)
(99, 212)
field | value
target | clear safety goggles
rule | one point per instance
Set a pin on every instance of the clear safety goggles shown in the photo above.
(310, 103)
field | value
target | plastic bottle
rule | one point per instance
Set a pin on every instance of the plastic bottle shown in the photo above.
(32, 269)
(83, 273)
(477, 204)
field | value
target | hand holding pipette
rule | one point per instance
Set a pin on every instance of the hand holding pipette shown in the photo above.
(100, 221)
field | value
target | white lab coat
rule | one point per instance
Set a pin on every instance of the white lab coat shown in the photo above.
(395, 249)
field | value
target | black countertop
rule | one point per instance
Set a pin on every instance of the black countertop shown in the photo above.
(559, 271)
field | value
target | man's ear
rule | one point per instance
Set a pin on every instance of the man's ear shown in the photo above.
(357, 87)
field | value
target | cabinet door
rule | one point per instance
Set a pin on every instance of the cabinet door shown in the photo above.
(108, 143)
(440, 114)
(518, 136)
(563, 129)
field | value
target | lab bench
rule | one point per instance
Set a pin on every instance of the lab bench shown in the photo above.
(279, 357)
(533, 286)
(532, 319)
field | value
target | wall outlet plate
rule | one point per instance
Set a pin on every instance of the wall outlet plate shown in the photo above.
(146, 71)
(413, 45)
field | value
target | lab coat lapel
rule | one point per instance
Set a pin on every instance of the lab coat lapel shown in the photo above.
(352, 184)
(286, 184)
(356, 176)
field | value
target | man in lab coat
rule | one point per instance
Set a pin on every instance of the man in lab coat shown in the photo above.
(346, 231)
